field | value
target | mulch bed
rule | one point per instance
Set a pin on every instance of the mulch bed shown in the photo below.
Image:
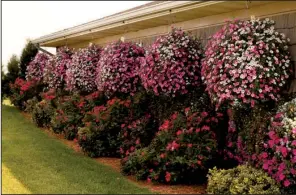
(114, 163)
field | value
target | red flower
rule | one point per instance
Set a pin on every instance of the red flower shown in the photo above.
(167, 177)
(179, 132)
(165, 125)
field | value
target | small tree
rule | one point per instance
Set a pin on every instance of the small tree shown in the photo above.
(4, 85)
(28, 54)
(13, 66)
(13, 72)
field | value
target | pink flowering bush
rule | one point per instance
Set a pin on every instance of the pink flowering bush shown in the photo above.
(172, 64)
(55, 69)
(22, 91)
(70, 110)
(36, 67)
(279, 157)
(246, 62)
(180, 152)
(136, 134)
(118, 67)
(99, 136)
(80, 74)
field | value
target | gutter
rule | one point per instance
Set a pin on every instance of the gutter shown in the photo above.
(43, 50)
(164, 8)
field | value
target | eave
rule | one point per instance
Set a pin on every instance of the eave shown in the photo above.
(155, 15)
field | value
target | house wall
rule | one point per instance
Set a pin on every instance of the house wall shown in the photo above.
(283, 13)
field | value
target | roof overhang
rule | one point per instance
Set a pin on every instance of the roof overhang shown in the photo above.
(146, 17)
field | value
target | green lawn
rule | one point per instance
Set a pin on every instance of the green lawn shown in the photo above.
(33, 162)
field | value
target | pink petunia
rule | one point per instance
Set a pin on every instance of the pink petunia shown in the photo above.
(287, 183)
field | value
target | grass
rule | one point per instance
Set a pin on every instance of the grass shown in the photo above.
(33, 162)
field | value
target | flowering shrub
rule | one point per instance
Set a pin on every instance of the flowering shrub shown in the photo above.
(181, 150)
(55, 69)
(246, 62)
(68, 116)
(36, 67)
(136, 134)
(80, 74)
(118, 67)
(240, 180)
(22, 91)
(42, 113)
(99, 137)
(279, 157)
(172, 64)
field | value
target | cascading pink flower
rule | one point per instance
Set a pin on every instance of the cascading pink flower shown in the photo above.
(246, 62)
(172, 64)
(36, 67)
(118, 67)
(280, 148)
(55, 70)
(80, 74)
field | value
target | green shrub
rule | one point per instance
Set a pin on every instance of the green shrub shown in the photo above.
(240, 180)
(30, 104)
(42, 114)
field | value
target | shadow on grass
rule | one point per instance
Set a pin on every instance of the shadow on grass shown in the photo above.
(45, 165)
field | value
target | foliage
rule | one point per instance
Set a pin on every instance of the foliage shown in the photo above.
(183, 148)
(172, 65)
(99, 137)
(247, 128)
(13, 66)
(28, 54)
(81, 73)
(246, 62)
(36, 67)
(42, 114)
(55, 69)
(30, 104)
(240, 180)
(118, 67)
